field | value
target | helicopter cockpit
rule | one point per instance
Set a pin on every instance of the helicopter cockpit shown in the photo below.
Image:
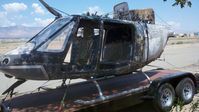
(55, 33)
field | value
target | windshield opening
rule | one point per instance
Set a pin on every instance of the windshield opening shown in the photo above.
(58, 42)
(49, 31)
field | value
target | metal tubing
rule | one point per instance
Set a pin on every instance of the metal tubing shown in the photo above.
(131, 91)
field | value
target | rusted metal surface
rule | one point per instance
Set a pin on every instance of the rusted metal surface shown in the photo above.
(147, 15)
(115, 90)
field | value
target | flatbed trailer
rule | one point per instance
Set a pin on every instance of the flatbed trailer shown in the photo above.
(103, 94)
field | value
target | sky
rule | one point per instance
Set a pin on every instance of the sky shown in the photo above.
(32, 14)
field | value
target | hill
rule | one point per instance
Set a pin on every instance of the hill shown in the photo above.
(18, 32)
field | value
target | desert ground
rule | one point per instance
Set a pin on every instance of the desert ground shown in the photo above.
(179, 54)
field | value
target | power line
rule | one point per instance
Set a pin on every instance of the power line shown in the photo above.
(162, 19)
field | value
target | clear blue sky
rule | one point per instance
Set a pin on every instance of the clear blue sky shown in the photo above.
(31, 13)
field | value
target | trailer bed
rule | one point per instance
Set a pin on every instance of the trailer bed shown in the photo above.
(116, 93)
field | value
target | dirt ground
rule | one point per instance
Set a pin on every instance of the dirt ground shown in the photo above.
(183, 40)
(180, 54)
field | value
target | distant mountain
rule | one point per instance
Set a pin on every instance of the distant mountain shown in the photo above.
(21, 32)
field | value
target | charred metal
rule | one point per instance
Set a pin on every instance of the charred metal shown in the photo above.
(109, 53)
(89, 49)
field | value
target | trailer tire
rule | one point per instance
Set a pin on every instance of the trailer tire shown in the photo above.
(164, 98)
(185, 90)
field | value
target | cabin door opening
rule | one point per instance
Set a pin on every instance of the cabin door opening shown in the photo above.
(118, 43)
(86, 44)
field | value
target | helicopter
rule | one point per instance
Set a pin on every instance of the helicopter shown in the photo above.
(81, 46)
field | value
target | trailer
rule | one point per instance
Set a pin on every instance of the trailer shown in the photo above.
(108, 94)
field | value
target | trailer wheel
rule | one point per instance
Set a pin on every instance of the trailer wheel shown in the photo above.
(164, 98)
(185, 90)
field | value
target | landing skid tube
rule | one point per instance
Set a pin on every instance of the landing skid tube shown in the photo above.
(108, 97)
(9, 91)
(13, 86)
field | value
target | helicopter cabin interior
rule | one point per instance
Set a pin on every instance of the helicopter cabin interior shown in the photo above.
(117, 44)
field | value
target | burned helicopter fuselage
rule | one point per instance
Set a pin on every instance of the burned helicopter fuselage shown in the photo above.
(84, 47)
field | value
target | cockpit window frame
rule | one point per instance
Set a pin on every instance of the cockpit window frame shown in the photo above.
(55, 36)
(51, 36)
